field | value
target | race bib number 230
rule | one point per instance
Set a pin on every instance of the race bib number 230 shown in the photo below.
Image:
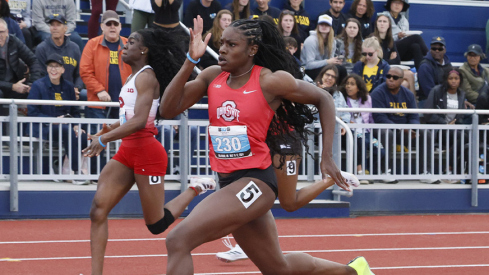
(230, 142)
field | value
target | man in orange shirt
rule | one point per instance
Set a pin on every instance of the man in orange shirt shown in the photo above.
(102, 69)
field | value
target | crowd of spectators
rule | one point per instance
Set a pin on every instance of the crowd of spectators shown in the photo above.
(337, 49)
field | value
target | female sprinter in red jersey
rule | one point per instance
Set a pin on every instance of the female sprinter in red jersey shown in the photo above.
(154, 58)
(244, 92)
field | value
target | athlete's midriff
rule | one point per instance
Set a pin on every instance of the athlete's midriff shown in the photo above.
(239, 121)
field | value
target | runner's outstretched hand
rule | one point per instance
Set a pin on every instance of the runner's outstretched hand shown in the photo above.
(197, 47)
(328, 167)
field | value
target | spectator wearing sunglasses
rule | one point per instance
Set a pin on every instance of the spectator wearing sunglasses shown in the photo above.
(393, 95)
(101, 67)
(103, 71)
(61, 44)
(432, 68)
(371, 67)
(97, 6)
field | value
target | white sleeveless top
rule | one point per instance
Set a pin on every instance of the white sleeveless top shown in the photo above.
(127, 101)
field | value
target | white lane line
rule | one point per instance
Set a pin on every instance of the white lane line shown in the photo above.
(431, 266)
(373, 268)
(213, 253)
(284, 236)
(82, 241)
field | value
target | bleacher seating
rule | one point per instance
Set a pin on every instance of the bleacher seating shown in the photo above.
(85, 13)
(433, 18)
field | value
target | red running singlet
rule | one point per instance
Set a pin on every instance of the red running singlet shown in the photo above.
(239, 121)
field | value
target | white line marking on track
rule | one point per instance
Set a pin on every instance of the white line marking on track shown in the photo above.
(284, 236)
(373, 268)
(431, 266)
(82, 241)
(213, 253)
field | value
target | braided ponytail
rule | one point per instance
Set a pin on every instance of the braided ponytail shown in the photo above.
(272, 54)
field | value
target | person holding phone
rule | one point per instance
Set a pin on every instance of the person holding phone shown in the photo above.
(352, 39)
(321, 48)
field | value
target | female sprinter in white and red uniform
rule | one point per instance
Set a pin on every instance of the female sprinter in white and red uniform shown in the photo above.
(140, 158)
(238, 130)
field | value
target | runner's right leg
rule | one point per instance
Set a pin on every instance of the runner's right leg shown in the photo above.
(114, 182)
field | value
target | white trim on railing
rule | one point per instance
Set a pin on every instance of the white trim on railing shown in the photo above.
(58, 102)
(123, 2)
(205, 106)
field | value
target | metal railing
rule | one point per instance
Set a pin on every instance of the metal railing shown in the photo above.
(31, 158)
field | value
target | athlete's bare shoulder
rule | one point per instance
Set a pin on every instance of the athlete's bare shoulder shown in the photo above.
(146, 77)
(209, 73)
(149, 71)
(276, 83)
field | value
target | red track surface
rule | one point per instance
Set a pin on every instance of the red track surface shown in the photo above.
(445, 244)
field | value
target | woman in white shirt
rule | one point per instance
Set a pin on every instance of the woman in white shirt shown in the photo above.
(321, 48)
(448, 96)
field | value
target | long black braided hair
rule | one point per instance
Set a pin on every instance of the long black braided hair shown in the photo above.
(272, 54)
(165, 54)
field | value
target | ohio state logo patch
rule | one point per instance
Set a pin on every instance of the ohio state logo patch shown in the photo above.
(228, 111)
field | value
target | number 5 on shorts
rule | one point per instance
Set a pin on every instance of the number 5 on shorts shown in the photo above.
(249, 194)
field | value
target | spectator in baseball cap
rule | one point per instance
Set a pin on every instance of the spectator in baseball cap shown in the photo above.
(56, 17)
(321, 48)
(97, 8)
(432, 68)
(44, 12)
(54, 87)
(54, 57)
(475, 76)
(61, 43)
